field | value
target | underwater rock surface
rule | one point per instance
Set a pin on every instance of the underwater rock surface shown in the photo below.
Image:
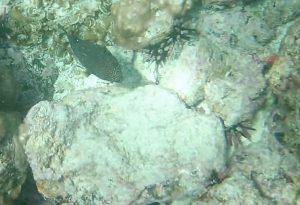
(103, 144)
(233, 93)
(8, 89)
(13, 164)
(106, 145)
(188, 74)
(284, 79)
(138, 24)
(237, 95)
(267, 175)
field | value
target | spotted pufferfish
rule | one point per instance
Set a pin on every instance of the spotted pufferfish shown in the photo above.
(97, 59)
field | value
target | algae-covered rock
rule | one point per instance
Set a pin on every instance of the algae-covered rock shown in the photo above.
(24, 78)
(231, 85)
(267, 175)
(223, 67)
(292, 134)
(237, 28)
(284, 75)
(281, 12)
(107, 145)
(8, 88)
(236, 95)
(284, 79)
(219, 3)
(13, 164)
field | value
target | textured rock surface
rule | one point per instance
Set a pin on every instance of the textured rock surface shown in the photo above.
(268, 174)
(281, 12)
(285, 83)
(224, 67)
(223, 71)
(27, 78)
(236, 95)
(237, 28)
(106, 145)
(138, 24)
(199, 75)
(67, 13)
(13, 164)
(8, 89)
(188, 74)
(217, 3)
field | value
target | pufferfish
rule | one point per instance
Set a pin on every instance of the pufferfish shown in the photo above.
(97, 59)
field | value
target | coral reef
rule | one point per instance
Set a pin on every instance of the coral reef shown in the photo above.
(90, 141)
(32, 22)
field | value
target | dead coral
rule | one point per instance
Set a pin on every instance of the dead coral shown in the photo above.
(131, 18)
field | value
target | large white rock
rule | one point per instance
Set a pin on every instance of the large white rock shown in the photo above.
(106, 145)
